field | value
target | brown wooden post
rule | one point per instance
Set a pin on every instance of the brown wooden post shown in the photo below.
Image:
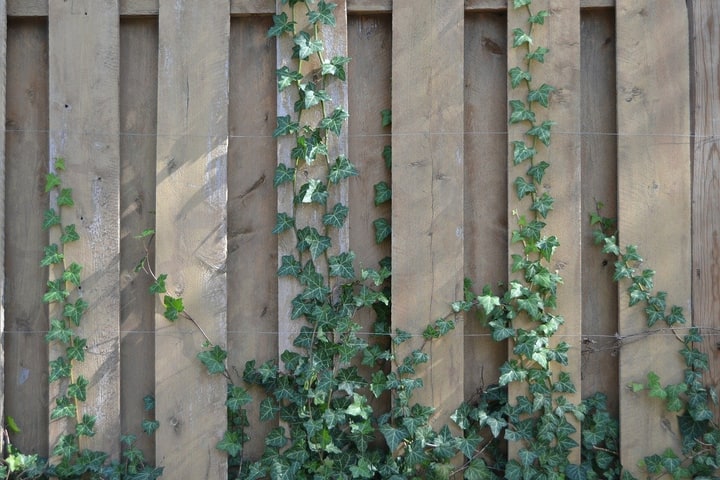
(705, 18)
(3, 76)
(427, 185)
(84, 126)
(191, 240)
(654, 205)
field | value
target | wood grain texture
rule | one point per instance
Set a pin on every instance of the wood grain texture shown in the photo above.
(138, 120)
(599, 183)
(84, 128)
(3, 102)
(191, 225)
(252, 247)
(705, 108)
(427, 185)
(561, 35)
(485, 186)
(654, 184)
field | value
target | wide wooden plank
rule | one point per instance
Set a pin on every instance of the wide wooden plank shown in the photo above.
(599, 184)
(84, 126)
(427, 185)
(138, 118)
(705, 18)
(335, 44)
(485, 200)
(654, 183)
(3, 85)
(561, 35)
(26, 143)
(191, 241)
(252, 247)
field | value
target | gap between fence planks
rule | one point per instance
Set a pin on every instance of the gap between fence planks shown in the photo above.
(84, 78)
(427, 186)
(3, 77)
(561, 35)
(653, 203)
(191, 236)
(705, 18)
(28, 8)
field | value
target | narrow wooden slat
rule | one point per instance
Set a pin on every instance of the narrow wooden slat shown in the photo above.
(427, 185)
(84, 127)
(485, 202)
(139, 7)
(3, 85)
(653, 204)
(26, 364)
(191, 241)
(252, 247)
(705, 18)
(561, 35)
(335, 44)
(138, 114)
(599, 184)
(27, 8)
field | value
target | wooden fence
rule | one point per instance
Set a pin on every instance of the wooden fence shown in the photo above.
(165, 110)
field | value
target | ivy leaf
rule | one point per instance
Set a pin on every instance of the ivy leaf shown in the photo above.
(521, 3)
(523, 187)
(237, 397)
(74, 311)
(268, 409)
(675, 316)
(213, 359)
(76, 351)
(173, 307)
(310, 239)
(52, 256)
(387, 156)
(281, 24)
(310, 96)
(341, 169)
(541, 95)
(520, 37)
(150, 426)
(287, 77)
(69, 235)
(383, 193)
(314, 191)
(158, 285)
(51, 181)
(50, 218)
(538, 54)
(543, 204)
(285, 126)
(393, 436)
(59, 331)
(520, 113)
(305, 45)
(290, 266)
(65, 198)
(283, 222)
(231, 443)
(488, 302)
(539, 17)
(283, 174)
(86, 428)
(382, 229)
(335, 67)
(78, 390)
(342, 265)
(66, 446)
(517, 76)
(336, 217)
(323, 14)
(59, 368)
(537, 171)
(64, 407)
(335, 120)
(56, 292)
(522, 152)
(542, 132)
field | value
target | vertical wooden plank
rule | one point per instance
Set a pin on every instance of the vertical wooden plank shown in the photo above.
(191, 229)
(427, 185)
(335, 44)
(84, 59)
(561, 35)
(653, 203)
(3, 90)
(705, 18)
(26, 141)
(138, 117)
(599, 183)
(252, 247)
(485, 202)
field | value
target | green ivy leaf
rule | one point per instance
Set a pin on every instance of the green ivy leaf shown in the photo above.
(283, 223)
(541, 95)
(64, 408)
(539, 17)
(520, 113)
(314, 191)
(231, 443)
(50, 218)
(341, 169)
(522, 152)
(305, 45)
(56, 292)
(237, 397)
(310, 96)
(65, 198)
(335, 120)
(59, 368)
(543, 204)
(69, 235)
(285, 126)
(283, 174)
(158, 286)
(52, 256)
(542, 132)
(342, 265)
(383, 229)
(336, 217)
(76, 351)
(51, 181)
(78, 390)
(281, 24)
(289, 266)
(59, 332)
(173, 307)
(538, 54)
(383, 193)
(86, 428)
(517, 76)
(315, 288)
(268, 409)
(523, 188)
(521, 3)
(537, 171)
(386, 115)
(75, 311)
(323, 14)
(387, 156)
(675, 316)
(213, 359)
(286, 77)
(66, 446)
(335, 67)
(520, 37)
(310, 239)
(150, 426)
(393, 436)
